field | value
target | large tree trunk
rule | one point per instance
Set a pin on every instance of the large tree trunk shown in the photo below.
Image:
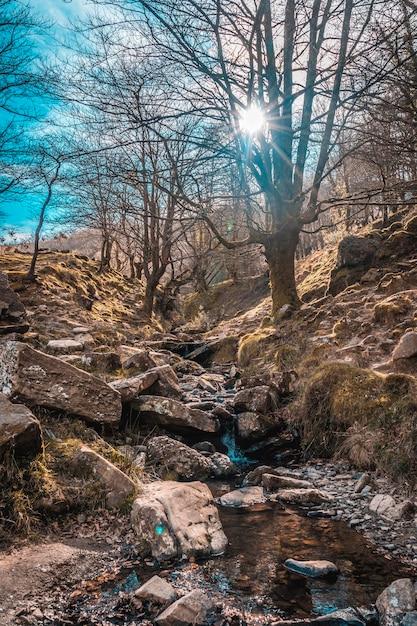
(280, 255)
(148, 301)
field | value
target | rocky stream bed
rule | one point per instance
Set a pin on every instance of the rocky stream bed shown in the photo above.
(230, 524)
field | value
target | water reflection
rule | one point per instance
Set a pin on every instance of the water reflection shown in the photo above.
(260, 542)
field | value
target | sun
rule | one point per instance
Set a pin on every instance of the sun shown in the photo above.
(252, 120)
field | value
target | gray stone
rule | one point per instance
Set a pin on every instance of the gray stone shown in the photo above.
(243, 497)
(178, 520)
(118, 486)
(303, 496)
(386, 507)
(193, 608)
(361, 483)
(173, 456)
(169, 412)
(272, 482)
(251, 425)
(131, 388)
(64, 346)
(20, 431)
(222, 466)
(37, 379)
(156, 589)
(406, 347)
(395, 602)
(311, 569)
(258, 399)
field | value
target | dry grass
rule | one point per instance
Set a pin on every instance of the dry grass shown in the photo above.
(34, 491)
(368, 418)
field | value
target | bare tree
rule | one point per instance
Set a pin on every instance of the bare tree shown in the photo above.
(296, 64)
(22, 83)
(48, 170)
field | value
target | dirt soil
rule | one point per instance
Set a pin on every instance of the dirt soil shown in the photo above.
(39, 581)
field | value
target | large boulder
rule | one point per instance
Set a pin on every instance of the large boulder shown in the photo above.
(395, 602)
(166, 384)
(37, 379)
(178, 520)
(252, 426)
(20, 431)
(170, 456)
(140, 358)
(12, 312)
(174, 414)
(259, 399)
(117, 485)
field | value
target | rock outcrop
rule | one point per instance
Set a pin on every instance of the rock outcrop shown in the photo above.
(37, 379)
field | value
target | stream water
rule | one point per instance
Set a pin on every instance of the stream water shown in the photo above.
(250, 580)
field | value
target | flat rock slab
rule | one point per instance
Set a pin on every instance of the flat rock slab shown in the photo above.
(243, 497)
(303, 496)
(178, 520)
(272, 482)
(20, 431)
(131, 388)
(37, 379)
(64, 346)
(170, 412)
(118, 486)
(311, 569)
(193, 608)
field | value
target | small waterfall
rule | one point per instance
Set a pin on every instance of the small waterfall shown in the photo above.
(234, 452)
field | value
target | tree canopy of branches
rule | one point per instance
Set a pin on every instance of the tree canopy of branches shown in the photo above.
(300, 64)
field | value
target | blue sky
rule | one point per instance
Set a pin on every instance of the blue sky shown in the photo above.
(21, 211)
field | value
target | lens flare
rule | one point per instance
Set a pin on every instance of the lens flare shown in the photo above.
(252, 120)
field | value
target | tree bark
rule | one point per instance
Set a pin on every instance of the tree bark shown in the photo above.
(149, 298)
(280, 255)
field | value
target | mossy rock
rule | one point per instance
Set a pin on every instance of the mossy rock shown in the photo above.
(363, 416)
(286, 357)
(393, 307)
(252, 347)
(400, 243)
(341, 279)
